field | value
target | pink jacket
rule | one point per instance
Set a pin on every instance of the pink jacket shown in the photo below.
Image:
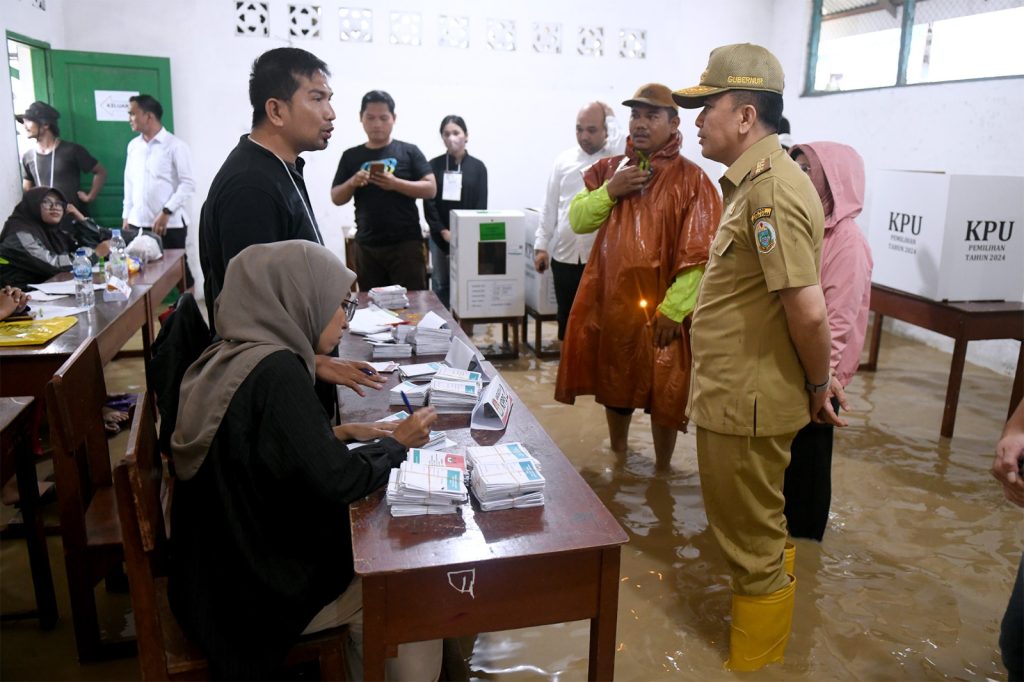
(845, 256)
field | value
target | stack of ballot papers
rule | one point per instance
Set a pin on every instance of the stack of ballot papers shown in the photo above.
(416, 393)
(448, 395)
(432, 335)
(505, 476)
(390, 296)
(383, 350)
(416, 488)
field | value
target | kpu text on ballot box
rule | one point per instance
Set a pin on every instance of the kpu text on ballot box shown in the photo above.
(487, 251)
(948, 237)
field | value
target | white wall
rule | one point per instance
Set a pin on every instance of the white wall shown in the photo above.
(520, 107)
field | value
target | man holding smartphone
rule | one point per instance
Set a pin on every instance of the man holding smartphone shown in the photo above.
(386, 177)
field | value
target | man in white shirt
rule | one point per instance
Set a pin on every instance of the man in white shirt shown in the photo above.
(157, 175)
(598, 136)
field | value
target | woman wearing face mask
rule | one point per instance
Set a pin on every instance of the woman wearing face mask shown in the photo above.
(38, 242)
(261, 550)
(461, 183)
(837, 172)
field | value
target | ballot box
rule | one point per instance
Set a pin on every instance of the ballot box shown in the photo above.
(487, 252)
(948, 237)
(539, 288)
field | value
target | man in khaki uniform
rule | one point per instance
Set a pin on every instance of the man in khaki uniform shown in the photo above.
(760, 340)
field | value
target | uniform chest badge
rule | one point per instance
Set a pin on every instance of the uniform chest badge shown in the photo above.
(765, 234)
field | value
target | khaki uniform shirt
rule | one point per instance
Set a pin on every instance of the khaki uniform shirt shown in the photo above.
(747, 378)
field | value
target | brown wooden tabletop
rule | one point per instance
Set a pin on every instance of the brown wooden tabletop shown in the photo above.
(964, 321)
(428, 577)
(24, 370)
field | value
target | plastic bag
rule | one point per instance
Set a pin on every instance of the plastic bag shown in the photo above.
(34, 332)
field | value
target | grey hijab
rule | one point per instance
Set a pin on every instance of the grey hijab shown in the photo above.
(276, 297)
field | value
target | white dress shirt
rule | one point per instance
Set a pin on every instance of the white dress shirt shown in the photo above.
(554, 234)
(157, 174)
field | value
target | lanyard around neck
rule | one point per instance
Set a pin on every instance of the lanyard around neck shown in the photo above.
(447, 168)
(53, 159)
(309, 214)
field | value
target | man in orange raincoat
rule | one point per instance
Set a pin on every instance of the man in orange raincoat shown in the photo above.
(656, 214)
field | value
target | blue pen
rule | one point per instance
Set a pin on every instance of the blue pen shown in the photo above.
(367, 372)
(405, 399)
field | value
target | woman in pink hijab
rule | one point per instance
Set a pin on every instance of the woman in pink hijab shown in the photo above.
(837, 172)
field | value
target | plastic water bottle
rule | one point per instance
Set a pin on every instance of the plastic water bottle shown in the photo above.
(118, 257)
(85, 297)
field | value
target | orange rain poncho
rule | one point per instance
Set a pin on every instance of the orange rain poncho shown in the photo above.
(649, 237)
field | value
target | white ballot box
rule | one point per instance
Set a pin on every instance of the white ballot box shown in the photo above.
(539, 289)
(487, 263)
(948, 237)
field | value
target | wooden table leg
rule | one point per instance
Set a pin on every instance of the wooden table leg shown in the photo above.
(374, 628)
(602, 627)
(1018, 382)
(876, 341)
(35, 535)
(956, 373)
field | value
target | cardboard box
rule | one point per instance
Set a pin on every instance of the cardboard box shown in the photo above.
(948, 237)
(539, 289)
(487, 264)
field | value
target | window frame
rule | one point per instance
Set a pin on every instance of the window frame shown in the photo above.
(906, 35)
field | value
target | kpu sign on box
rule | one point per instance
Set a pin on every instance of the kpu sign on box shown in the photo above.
(948, 237)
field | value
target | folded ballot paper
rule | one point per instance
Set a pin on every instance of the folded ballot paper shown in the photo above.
(505, 476)
(436, 439)
(416, 393)
(392, 296)
(432, 335)
(373, 320)
(418, 488)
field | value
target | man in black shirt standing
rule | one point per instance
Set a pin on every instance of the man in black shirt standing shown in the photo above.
(259, 196)
(386, 177)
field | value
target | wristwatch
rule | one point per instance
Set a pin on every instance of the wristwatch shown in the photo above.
(815, 389)
(167, 211)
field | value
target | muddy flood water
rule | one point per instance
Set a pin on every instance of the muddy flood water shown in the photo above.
(909, 584)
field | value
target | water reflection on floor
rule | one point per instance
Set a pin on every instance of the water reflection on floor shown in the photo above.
(909, 583)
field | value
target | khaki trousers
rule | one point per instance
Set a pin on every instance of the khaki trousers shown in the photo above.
(416, 661)
(741, 479)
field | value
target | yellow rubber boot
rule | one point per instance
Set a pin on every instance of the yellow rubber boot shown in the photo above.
(789, 558)
(760, 628)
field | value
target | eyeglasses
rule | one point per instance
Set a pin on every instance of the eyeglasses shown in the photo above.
(52, 203)
(350, 304)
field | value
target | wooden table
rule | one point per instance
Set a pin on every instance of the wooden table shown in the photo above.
(16, 458)
(538, 347)
(508, 350)
(429, 577)
(161, 276)
(25, 370)
(964, 322)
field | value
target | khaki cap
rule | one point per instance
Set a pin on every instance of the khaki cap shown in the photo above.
(653, 95)
(734, 67)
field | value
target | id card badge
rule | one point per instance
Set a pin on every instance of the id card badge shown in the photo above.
(451, 188)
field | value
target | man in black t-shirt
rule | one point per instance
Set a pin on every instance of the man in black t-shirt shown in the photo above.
(56, 162)
(386, 177)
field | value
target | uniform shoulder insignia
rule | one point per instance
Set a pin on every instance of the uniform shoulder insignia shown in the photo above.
(761, 166)
(764, 212)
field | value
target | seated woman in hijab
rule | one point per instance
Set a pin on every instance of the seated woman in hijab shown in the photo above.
(40, 237)
(261, 550)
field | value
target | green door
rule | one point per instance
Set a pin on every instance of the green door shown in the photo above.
(91, 88)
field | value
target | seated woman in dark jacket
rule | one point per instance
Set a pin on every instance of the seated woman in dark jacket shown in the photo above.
(261, 542)
(39, 239)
